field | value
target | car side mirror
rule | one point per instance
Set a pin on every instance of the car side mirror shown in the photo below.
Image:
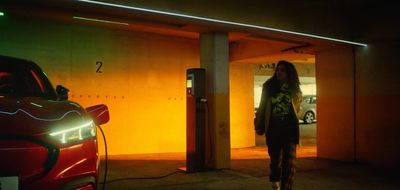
(99, 114)
(62, 92)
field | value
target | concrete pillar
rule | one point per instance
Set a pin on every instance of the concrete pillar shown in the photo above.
(214, 57)
(378, 102)
(335, 104)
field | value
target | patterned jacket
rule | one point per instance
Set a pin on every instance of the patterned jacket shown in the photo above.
(261, 123)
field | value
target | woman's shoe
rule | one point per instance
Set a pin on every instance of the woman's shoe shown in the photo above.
(275, 185)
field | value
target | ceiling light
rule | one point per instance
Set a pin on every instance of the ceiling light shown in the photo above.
(100, 20)
(221, 22)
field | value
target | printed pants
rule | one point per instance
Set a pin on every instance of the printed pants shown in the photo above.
(283, 163)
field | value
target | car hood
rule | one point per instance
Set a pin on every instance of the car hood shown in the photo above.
(34, 116)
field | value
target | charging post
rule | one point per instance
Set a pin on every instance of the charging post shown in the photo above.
(195, 120)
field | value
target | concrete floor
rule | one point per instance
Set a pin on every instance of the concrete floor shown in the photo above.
(249, 171)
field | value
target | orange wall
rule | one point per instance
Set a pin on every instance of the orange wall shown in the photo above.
(142, 81)
(147, 74)
(372, 136)
(335, 104)
(242, 105)
(378, 92)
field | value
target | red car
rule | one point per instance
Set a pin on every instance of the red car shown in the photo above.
(46, 141)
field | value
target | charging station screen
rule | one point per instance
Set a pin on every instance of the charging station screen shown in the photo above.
(189, 83)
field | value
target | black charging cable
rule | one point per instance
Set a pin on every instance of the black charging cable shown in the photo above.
(208, 160)
(137, 178)
(106, 158)
(104, 182)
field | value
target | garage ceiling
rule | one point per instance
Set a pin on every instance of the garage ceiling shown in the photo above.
(247, 44)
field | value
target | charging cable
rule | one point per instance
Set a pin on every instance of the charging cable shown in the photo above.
(156, 177)
(207, 128)
(137, 178)
(104, 182)
(106, 158)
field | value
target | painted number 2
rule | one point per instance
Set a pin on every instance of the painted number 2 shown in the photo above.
(99, 65)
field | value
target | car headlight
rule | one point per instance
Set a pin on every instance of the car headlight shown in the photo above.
(75, 133)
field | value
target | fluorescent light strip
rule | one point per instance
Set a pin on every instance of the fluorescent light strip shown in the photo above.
(100, 20)
(222, 22)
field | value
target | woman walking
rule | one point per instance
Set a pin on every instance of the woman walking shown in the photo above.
(276, 117)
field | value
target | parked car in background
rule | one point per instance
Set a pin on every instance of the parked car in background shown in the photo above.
(308, 111)
(46, 141)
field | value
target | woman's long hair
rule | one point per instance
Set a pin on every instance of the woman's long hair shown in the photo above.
(293, 79)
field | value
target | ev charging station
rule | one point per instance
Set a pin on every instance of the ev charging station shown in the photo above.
(196, 113)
